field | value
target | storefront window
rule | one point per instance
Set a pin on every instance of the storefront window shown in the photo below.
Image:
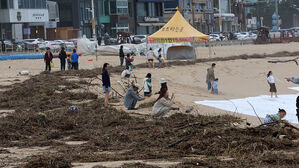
(119, 7)
(141, 9)
(32, 4)
(3, 4)
(113, 7)
(10, 3)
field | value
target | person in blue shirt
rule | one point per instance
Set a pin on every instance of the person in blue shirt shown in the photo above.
(75, 60)
(106, 82)
(215, 86)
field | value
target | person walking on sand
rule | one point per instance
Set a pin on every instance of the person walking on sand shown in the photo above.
(150, 58)
(62, 56)
(75, 60)
(106, 82)
(121, 55)
(275, 117)
(162, 105)
(271, 82)
(211, 77)
(215, 86)
(48, 58)
(147, 85)
(297, 105)
(160, 58)
(132, 97)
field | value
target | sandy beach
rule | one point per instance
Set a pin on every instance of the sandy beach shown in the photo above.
(112, 137)
(237, 78)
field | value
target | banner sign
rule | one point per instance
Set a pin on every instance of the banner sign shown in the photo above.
(175, 40)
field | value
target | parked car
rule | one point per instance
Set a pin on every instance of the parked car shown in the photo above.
(215, 37)
(139, 38)
(8, 45)
(66, 44)
(32, 43)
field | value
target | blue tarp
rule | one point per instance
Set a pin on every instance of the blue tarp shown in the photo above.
(21, 56)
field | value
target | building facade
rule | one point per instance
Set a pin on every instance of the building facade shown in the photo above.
(198, 13)
(148, 16)
(225, 20)
(111, 16)
(23, 19)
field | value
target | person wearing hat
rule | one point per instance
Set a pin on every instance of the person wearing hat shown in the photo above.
(163, 85)
(147, 85)
(132, 97)
(62, 56)
(48, 58)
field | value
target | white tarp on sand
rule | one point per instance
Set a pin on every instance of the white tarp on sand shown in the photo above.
(85, 46)
(137, 49)
(263, 105)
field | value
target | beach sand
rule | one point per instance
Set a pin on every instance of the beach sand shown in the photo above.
(237, 78)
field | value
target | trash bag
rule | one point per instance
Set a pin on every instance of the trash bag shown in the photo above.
(52, 64)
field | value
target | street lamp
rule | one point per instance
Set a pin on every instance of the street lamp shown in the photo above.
(92, 19)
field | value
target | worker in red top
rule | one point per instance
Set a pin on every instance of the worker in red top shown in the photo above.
(48, 58)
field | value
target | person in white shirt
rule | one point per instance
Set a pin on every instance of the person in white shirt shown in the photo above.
(126, 73)
(271, 82)
(163, 104)
(150, 58)
(147, 85)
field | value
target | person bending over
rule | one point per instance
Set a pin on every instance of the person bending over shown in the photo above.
(132, 97)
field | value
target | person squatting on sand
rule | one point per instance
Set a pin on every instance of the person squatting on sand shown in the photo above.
(162, 105)
(48, 58)
(62, 56)
(211, 77)
(126, 73)
(132, 97)
(106, 82)
(75, 60)
(275, 117)
(147, 85)
(271, 82)
(150, 58)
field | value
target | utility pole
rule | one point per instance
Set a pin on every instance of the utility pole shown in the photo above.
(220, 17)
(180, 6)
(276, 11)
(93, 20)
(193, 13)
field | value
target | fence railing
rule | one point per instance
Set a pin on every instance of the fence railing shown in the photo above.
(12, 49)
